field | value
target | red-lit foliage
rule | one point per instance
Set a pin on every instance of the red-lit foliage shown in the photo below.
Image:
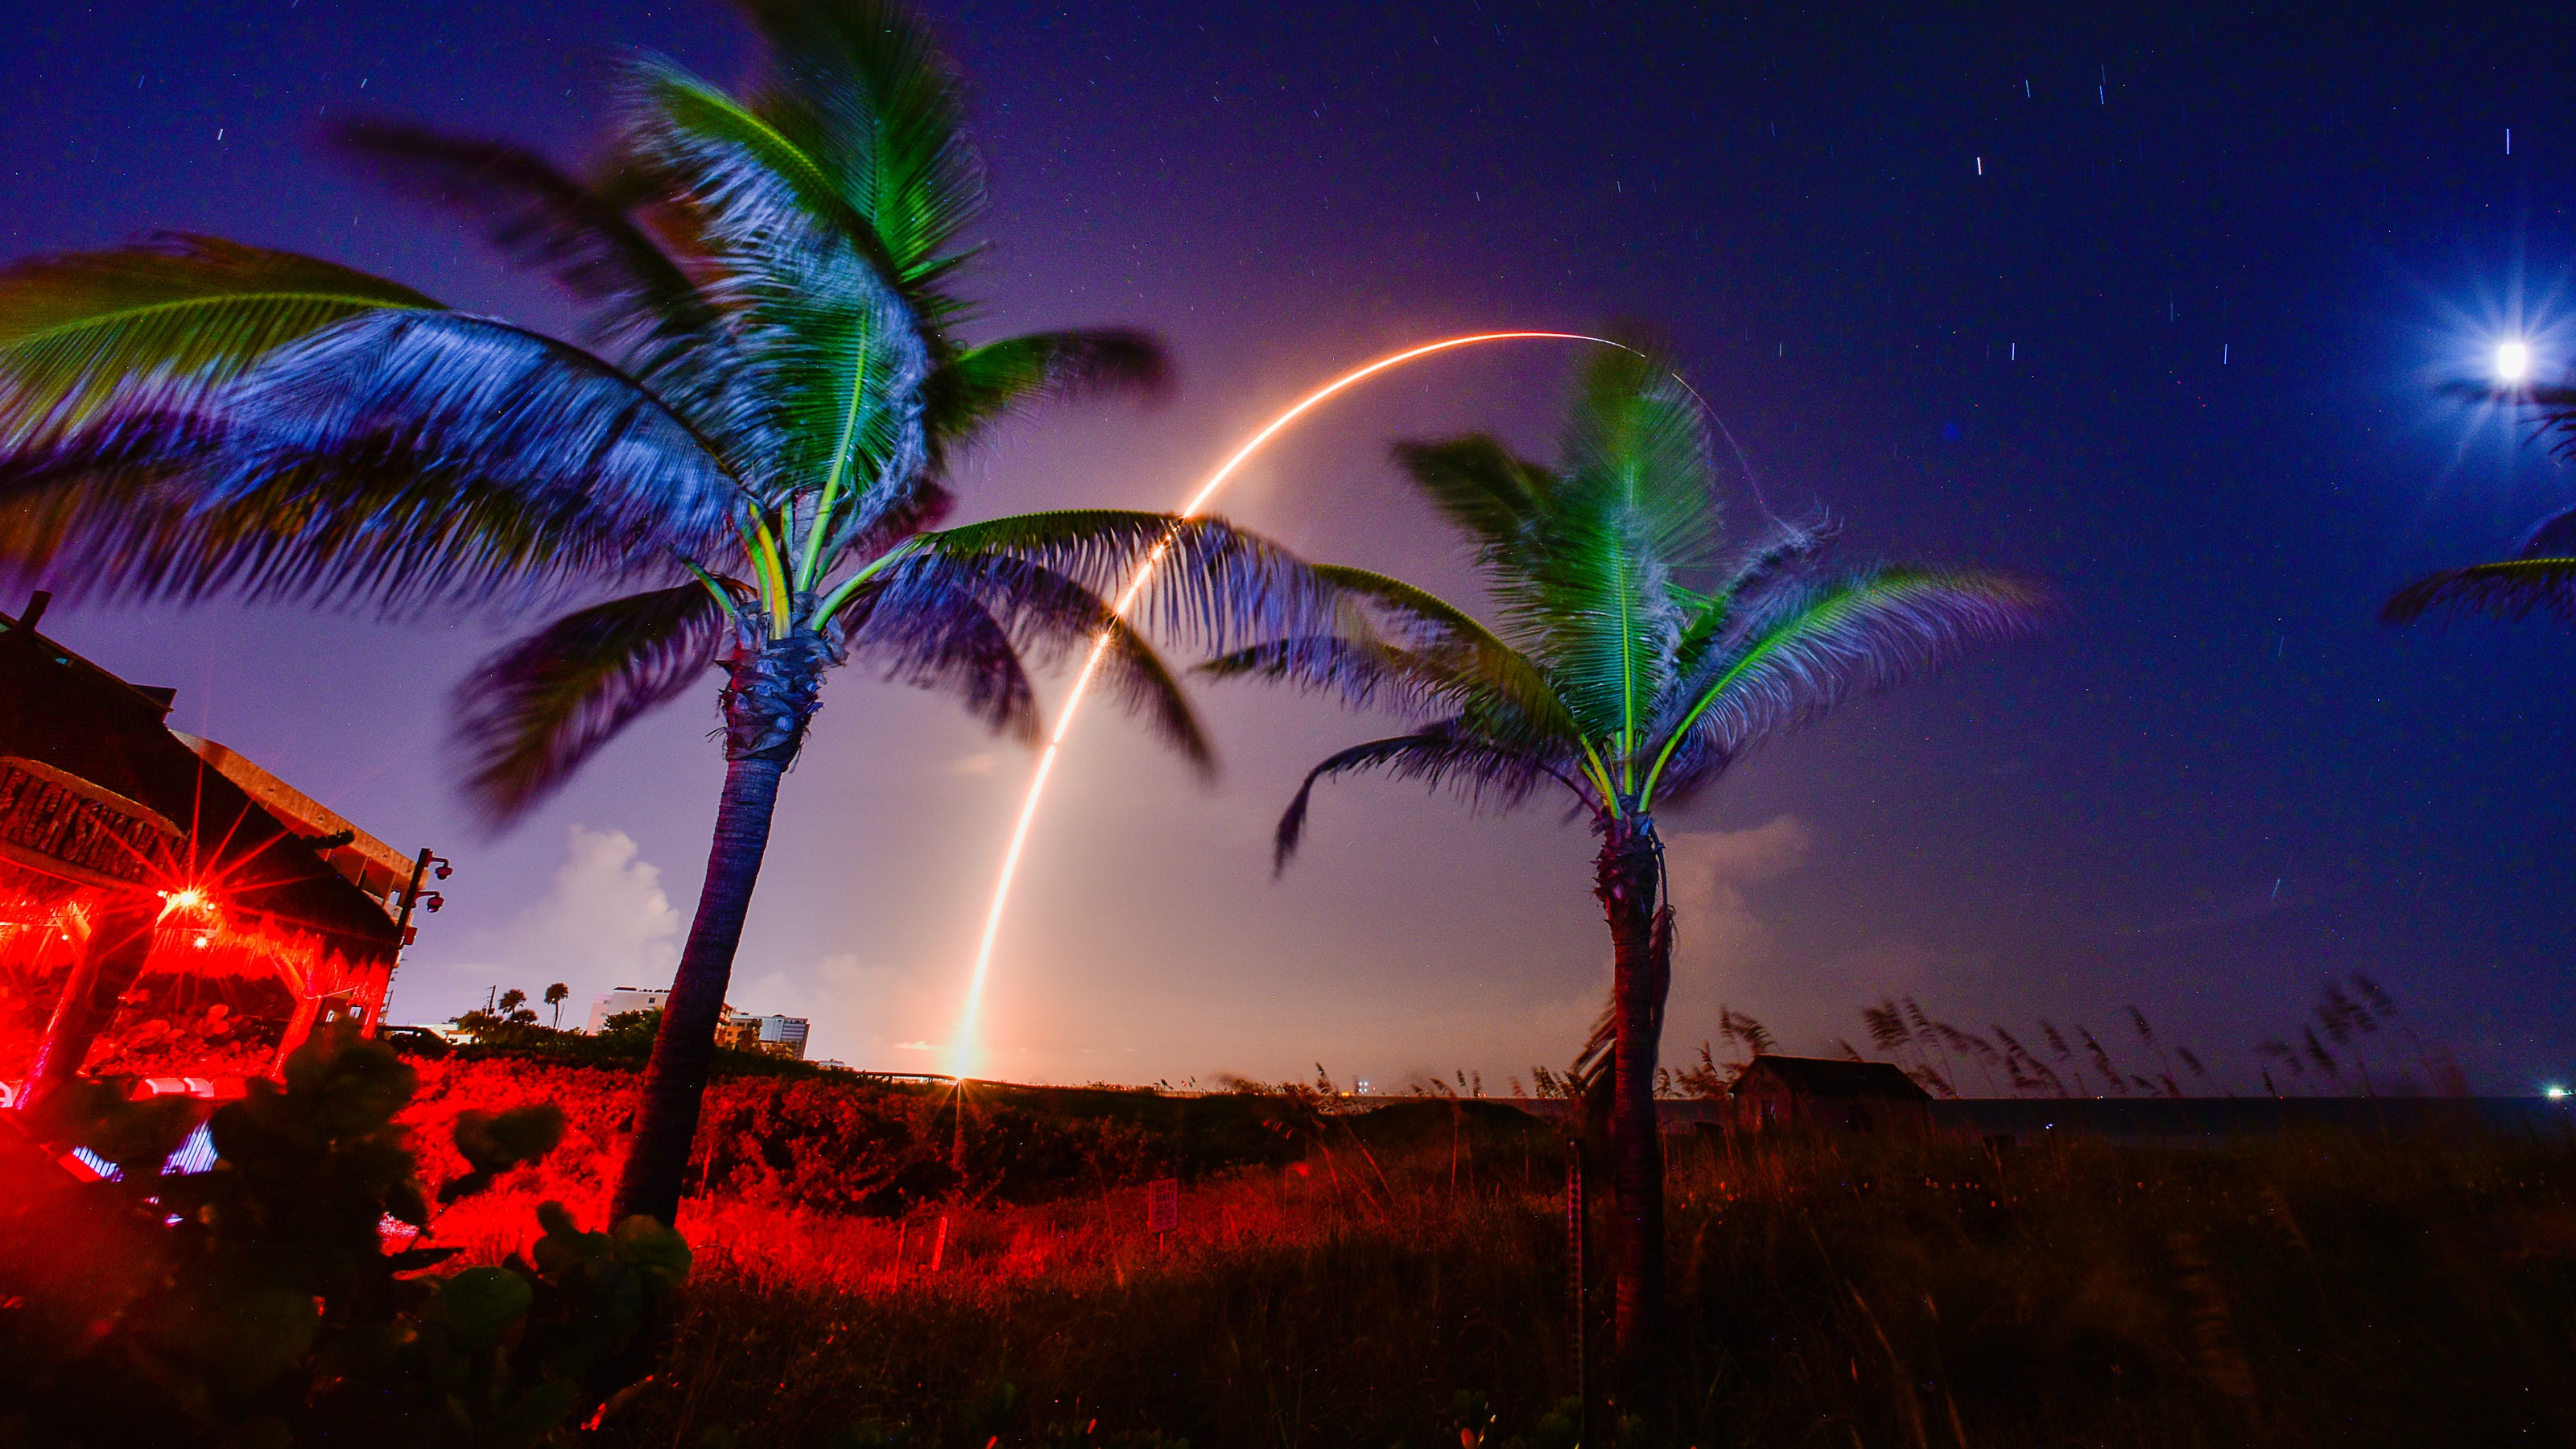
(860, 1185)
(845, 1146)
(216, 997)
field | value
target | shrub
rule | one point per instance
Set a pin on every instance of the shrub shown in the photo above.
(260, 1303)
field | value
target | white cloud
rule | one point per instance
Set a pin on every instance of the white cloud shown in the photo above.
(1709, 868)
(1720, 946)
(858, 1010)
(605, 921)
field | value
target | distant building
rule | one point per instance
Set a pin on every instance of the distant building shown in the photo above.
(617, 1003)
(1840, 1096)
(779, 1036)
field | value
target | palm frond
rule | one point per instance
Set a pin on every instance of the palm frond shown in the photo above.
(399, 458)
(2555, 537)
(1358, 672)
(1503, 690)
(529, 716)
(1486, 777)
(1477, 484)
(1637, 438)
(1213, 586)
(1811, 649)
(159, 326)
(489, 449)
(814, 298)
(665, 331)
(1602, 613)
(2512, 589)
(983, 384)
(2551, 407)
(969, 624)
(1778, 560)
(1631, 512)
(864, 89)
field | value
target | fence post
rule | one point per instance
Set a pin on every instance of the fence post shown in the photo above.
(1574, 1216)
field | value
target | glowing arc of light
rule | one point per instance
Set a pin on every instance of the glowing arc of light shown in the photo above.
(962, 1054)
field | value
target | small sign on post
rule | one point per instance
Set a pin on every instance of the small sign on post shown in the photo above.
(1162, 1205)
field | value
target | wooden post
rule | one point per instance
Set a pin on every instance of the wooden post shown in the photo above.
(902, 1241)
(120, 939)
(939, 1248)
(1574, 1215)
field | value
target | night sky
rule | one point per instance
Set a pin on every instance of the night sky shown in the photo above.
(2176, 348)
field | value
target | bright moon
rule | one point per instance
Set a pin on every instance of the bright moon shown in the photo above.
(2513, 361)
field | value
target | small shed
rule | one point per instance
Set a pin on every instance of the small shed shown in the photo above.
(1823, 1092)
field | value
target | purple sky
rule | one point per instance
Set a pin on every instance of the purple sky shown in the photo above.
(2175, 348)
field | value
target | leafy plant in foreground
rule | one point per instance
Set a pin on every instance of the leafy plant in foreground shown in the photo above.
(259, 1304)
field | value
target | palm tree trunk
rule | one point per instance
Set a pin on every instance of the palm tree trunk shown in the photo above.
(772, 698)
(1627, 876)
(120, 941)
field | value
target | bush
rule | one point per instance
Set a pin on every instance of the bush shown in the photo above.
(260, 1304)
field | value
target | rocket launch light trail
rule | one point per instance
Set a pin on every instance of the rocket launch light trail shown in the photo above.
(962, 1053)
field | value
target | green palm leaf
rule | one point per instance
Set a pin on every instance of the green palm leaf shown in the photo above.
(1478, 485)
(969, 392)
(1808, 651)
(159, 325)
(967, 623)
(1213, 586)
(864, 90)
(815, 297)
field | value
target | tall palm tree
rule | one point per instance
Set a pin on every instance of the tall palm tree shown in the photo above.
(2541, 576)
(751, 451)
(1636, 656)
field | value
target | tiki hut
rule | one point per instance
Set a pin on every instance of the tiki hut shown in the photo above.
(156, 917)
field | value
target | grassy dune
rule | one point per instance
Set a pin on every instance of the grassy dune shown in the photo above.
(1401, 1277)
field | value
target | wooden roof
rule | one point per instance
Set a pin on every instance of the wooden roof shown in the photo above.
(68, 715)
(1834, 1077)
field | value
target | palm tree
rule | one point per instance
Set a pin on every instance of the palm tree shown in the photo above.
(1637, 656)
(556, 996)
(751, 451)
(2541, 576)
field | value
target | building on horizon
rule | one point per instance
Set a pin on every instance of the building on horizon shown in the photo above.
(741, 1031)
(621, 1001)
(777, 1036)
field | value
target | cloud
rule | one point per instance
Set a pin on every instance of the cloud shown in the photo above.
(1709, 869)
(859, 1010)
(604, 921)
(1720, 946)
